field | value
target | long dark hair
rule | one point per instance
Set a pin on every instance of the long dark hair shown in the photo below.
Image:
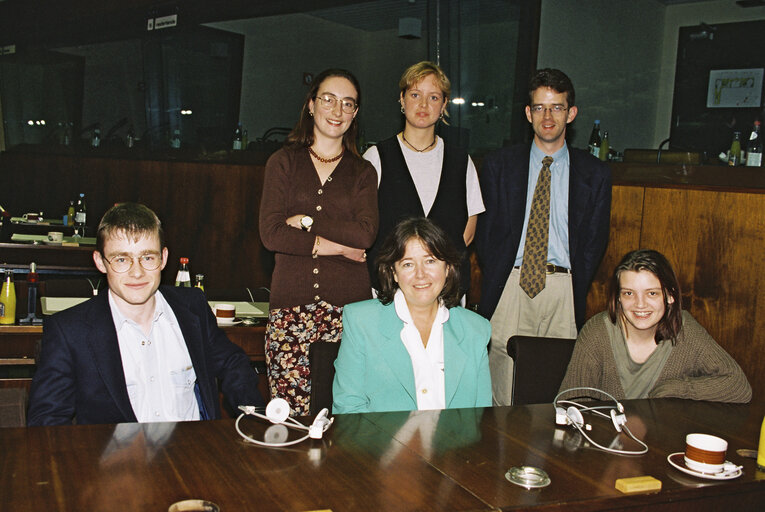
(437, 243)
(654, 262)
(302, 134)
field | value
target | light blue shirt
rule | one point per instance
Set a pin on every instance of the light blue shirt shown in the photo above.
(557, 247)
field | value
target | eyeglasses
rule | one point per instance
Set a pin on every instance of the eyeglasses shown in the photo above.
(540, 109)
(328, 102)
(122, 264)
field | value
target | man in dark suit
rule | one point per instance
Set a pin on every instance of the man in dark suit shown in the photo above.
(138, 352)
(578, 209)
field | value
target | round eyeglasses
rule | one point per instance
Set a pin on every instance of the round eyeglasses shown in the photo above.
(328, 102)
(122, 264)
(540, 109)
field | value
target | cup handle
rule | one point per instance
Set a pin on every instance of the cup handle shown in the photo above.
(50, 238)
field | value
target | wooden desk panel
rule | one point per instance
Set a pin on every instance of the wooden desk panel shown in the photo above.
(430, 460)
(134, 467)
(477, 446)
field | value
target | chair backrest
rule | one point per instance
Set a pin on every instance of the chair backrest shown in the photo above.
(539, 367)
(321, 357)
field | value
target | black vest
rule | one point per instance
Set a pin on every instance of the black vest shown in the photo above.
(397, 200)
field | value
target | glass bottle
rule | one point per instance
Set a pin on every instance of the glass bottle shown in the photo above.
(70, 214)
(80, 216)
(175, 142)
(237, 145)
(594, 143)
(754, 147)
(604, 148)
(95, 141)
(8, 300)
(130, 140)
(183, 278)
(734, 156)
(199, 282)
(761, 448)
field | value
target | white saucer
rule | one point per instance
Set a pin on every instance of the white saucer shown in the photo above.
(225, 324)
(678, 462)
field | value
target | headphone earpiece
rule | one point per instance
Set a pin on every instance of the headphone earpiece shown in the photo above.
(277, 410)
(560, 416)
(618, 419)
(575, 417)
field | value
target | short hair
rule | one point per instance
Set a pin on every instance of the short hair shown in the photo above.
(654, 262)
(302, 134)
(556, 80)
(417, 72)
(132, 219)
(437, 243)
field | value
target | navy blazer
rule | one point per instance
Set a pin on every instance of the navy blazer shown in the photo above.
(504, 183)
(80, 376)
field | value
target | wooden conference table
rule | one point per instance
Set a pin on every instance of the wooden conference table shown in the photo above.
(448, 460)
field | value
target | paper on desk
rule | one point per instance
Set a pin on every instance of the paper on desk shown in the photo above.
(245, 309)
(52, 305)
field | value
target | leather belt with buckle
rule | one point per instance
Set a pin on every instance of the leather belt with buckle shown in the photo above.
(554, 269)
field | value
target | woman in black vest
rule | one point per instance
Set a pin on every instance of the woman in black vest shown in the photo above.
(421, 176)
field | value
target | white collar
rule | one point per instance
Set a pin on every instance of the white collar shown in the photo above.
(402, 310)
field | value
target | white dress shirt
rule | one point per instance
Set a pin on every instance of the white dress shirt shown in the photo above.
(159, 375)
(427, 362)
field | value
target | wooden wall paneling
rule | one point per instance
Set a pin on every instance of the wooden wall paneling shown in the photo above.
(624, 236)
(715, 241)
(209, 211)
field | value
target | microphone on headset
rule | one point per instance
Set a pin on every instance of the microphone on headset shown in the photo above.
(319, 425)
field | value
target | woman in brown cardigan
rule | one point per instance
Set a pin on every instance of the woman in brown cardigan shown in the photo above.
(319, 215)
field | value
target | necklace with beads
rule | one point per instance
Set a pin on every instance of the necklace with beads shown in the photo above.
(326, 160)
(419, 150)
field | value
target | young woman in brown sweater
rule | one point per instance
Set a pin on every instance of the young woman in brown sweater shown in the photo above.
(318, 214)
(646, 346)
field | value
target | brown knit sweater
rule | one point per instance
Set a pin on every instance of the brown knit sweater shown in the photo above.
(344, 210)
(698, 368)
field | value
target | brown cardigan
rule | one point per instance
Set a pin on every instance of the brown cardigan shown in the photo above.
(344, 210)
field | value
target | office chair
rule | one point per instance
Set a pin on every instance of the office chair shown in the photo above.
(540, 365)
(321, 357)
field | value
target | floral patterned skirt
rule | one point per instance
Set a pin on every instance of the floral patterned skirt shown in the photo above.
(289, 333)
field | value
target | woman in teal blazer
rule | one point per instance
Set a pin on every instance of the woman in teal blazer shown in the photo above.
(383, 363)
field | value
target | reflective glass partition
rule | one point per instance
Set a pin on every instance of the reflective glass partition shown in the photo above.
(196, 81)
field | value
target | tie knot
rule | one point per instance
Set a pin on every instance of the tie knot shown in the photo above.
(547, 161)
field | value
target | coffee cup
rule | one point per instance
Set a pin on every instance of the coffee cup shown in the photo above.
(55, 236)
(224, 313)
(30, 217)
(705, 453)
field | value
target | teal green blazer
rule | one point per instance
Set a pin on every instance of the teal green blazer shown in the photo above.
(373, 370)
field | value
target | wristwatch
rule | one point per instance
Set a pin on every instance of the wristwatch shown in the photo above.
(306, 222)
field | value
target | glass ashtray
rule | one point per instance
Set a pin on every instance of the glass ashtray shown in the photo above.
(528, 477)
